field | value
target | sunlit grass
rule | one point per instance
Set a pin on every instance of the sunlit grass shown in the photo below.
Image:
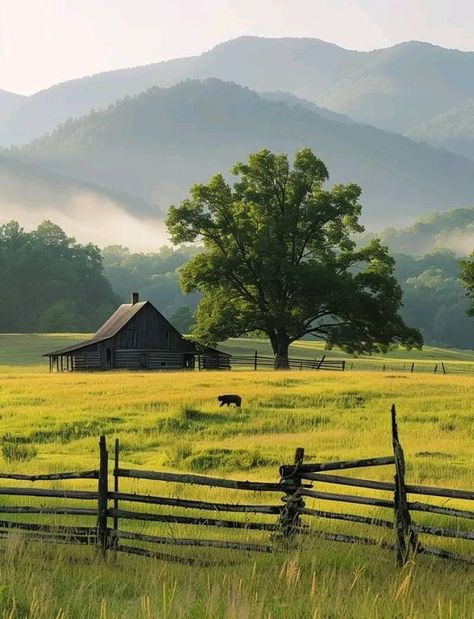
(172, 421)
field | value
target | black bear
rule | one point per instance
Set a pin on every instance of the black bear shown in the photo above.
(230, 399)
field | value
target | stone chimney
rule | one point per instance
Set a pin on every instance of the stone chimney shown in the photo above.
(135, 298)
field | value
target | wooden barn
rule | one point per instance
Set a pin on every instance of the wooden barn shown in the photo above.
(136, 337)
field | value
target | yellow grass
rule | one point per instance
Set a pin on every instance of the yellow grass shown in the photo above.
(172, 421)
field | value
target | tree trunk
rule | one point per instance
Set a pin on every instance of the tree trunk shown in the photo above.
(280, 344)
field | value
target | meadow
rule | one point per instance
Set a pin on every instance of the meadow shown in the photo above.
(171, 421)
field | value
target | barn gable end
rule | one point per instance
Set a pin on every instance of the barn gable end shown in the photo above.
(137, 336)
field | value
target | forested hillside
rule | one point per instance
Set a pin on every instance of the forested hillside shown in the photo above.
(51, 283)
(453, 130)
(156, 145)
(452, 230)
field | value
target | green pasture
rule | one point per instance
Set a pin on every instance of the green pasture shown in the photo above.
(172, 421)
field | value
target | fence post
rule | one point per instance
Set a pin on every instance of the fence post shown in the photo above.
(114, 539)
(405, 537)
(255, 360)
(289, 520)
(103, 491)
(444, 369)
(321, 362)
(412, 368)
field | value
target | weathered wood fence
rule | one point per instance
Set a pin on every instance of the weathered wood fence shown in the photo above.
(114, 512)
(258, 362)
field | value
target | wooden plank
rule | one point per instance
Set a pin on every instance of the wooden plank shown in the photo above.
(348, 498)
(445, 554)
(440, 532)
(33, 536)
(30, 526)
(405, 536)
(189, 520)
(352, 539)
(289, 520)
(102, 491)
(82, 495)
(51, 476)
(351, 481)
(451, 493)
(116, 479)
(332, 466)
(390, 486)
(444, 511)
(201, 480)
(66, 511)
(163, 556)
(388, 524)
(212, 543)
(191, 504)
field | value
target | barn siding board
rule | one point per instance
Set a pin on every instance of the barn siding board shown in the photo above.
(149, 330)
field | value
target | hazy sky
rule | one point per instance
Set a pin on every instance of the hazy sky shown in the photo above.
(43, 42)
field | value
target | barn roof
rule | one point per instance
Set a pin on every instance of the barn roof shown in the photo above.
(122, 315)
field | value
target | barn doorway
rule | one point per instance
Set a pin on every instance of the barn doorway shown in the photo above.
(108, 358)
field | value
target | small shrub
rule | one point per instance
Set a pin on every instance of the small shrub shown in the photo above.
(176, 454)
(183, 421)
(228, 460)
(18, 452)
(447, 426)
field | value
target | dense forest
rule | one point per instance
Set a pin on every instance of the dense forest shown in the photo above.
(52, 283)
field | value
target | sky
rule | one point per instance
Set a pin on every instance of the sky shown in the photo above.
(43, 42)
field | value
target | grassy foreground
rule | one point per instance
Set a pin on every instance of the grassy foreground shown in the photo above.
(172, 421)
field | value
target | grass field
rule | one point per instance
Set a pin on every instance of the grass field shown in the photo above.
(171, 421)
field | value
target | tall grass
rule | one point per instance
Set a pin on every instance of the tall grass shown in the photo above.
(172, 420)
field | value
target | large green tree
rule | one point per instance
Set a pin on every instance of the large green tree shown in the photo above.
(278, 258)
(467, 277)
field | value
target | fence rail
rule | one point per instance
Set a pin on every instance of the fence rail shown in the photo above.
(290, 521)
(256, 361)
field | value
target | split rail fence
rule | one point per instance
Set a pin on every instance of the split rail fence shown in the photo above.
(115, 510)
(258, 362)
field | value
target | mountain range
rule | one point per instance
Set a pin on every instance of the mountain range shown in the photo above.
(395, 88)
(157, 144)
(140, 137)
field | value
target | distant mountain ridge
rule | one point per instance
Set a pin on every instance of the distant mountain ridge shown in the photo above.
(9, 103)
(447, 230)
(157, 144)
(453, 131)
(394, 88)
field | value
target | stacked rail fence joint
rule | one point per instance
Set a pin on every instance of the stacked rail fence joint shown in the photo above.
(115, 515)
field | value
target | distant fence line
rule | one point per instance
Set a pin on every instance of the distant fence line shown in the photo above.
(112, 508)
(257, 361)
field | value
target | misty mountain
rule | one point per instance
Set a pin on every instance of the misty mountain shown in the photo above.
(304, 67)
(294, 101)
(30, 193)
(9, 103)
(404, 85)
(394, 88)
(449, 230)
(156, 145)
(453, 131)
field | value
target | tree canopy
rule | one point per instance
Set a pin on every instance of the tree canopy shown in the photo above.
(50, 282)
(467, 277)
(278, 258)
